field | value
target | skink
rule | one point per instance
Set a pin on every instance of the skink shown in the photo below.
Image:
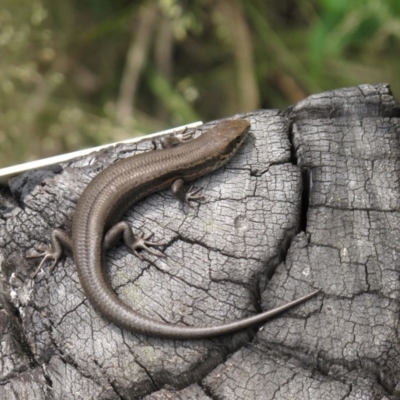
(119, 187)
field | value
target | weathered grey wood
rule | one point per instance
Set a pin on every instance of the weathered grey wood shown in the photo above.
(311, 201)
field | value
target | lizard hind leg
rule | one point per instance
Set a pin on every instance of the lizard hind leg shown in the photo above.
(135, 243)
(59, 240)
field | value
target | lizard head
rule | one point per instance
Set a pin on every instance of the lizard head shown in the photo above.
(227, 136)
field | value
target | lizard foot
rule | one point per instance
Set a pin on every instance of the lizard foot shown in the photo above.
(142, 242)
(59, 240)
(191, 195)
(47, 253)
(185, 197)
(135, 243)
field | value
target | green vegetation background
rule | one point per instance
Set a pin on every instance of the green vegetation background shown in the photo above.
(79, 73)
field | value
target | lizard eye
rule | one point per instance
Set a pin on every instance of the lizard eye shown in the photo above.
(239, 139)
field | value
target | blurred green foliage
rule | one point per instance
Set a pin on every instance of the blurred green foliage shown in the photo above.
(79, 73)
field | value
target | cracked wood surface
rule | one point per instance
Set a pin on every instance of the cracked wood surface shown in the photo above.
(310, 201)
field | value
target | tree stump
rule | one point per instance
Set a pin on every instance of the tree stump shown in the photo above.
(310, 201)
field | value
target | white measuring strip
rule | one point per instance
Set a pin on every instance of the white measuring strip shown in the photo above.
(8, 172)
